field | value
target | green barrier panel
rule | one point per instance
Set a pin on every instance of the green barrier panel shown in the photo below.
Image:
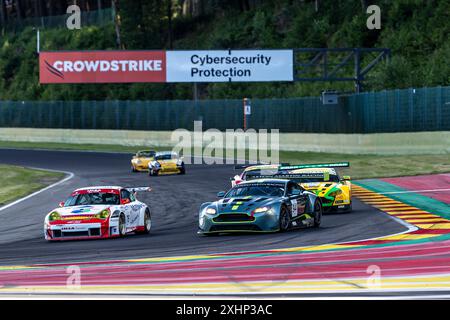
(407, 110)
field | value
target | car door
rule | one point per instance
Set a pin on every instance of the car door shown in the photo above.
(136, 208)
(125, 201)
(297, 200)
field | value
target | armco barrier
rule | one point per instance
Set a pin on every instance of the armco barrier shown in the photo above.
(380, 143)
(408, 110)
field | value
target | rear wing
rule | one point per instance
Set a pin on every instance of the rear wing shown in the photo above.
(138, 189)
(244, 166)
(317, 165)
(288, 176)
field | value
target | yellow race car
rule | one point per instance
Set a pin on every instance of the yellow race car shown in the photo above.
(166, 162)
(141, 159)
(323, 180)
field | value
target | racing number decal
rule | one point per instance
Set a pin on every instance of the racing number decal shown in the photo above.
(294, 208)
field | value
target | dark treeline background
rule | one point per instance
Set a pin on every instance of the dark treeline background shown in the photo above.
(415, 30)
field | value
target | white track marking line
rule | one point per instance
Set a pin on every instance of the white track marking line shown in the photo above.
(70, 175)
(416, 191)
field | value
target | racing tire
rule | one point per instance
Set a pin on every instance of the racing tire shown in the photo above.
(318, 212)
(182, 170)
(285, 219)
(147, 222)
(133, 169)
(152, 173)
(122, 226)
(349, 208)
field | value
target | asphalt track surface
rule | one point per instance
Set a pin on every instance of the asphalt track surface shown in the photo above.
(174, 204)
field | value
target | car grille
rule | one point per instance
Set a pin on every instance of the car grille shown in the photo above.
(234, 217)
(326, 201)
(76, 234)
(232, 227)
(93, 232)
(57, 233)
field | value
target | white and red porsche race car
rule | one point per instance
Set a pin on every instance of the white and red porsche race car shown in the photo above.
(98, 212)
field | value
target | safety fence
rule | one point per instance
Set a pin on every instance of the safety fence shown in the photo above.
(407, 110)
(87, 18)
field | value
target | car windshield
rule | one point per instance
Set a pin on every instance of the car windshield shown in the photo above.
(146, 154)
(268, 190)
(101, 198)
(167, 156)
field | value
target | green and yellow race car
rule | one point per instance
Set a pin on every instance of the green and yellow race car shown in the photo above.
(334, 191)
(321, 179)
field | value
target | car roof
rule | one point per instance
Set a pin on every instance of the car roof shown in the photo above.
(314, 170)
(100, 187)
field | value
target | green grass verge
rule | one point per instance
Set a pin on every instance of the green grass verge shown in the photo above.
(362, 166)
(18, 182)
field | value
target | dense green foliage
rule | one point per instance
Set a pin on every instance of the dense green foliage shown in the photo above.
(416, 31)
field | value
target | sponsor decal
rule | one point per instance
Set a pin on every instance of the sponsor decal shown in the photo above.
(114, 191)
(102, 66)
(294, 208)
(136, 207)
(84, 209)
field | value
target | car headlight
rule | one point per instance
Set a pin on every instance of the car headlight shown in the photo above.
(262, 210)
(335, 193)
(210, 210)
(102, 215)
(54, 216)
(138, 161)
(155, 164)
(115, 214)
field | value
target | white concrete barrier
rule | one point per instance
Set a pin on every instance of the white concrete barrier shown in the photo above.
(437, 142)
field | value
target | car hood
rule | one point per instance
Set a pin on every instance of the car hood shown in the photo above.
(319, 186)
(87, 210)
(143, 159)
(168, 162)
(243, 204)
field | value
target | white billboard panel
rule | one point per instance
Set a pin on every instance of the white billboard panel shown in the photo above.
(229, 66)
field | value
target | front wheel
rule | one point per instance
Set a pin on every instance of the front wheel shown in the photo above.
(182, 170)
(318, 210)
(285, 219)
(122, 226)
(349, 208)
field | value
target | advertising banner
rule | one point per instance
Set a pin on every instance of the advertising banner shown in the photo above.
(230, 65)
(162, 66)
(102, 66)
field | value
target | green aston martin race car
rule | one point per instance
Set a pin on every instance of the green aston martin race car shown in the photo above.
(262, 205)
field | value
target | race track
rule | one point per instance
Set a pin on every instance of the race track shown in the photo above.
(174, 204)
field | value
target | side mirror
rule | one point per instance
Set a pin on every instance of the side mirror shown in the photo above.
(61, 204)
(221, 194)
(346, 178)
(125, 201)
